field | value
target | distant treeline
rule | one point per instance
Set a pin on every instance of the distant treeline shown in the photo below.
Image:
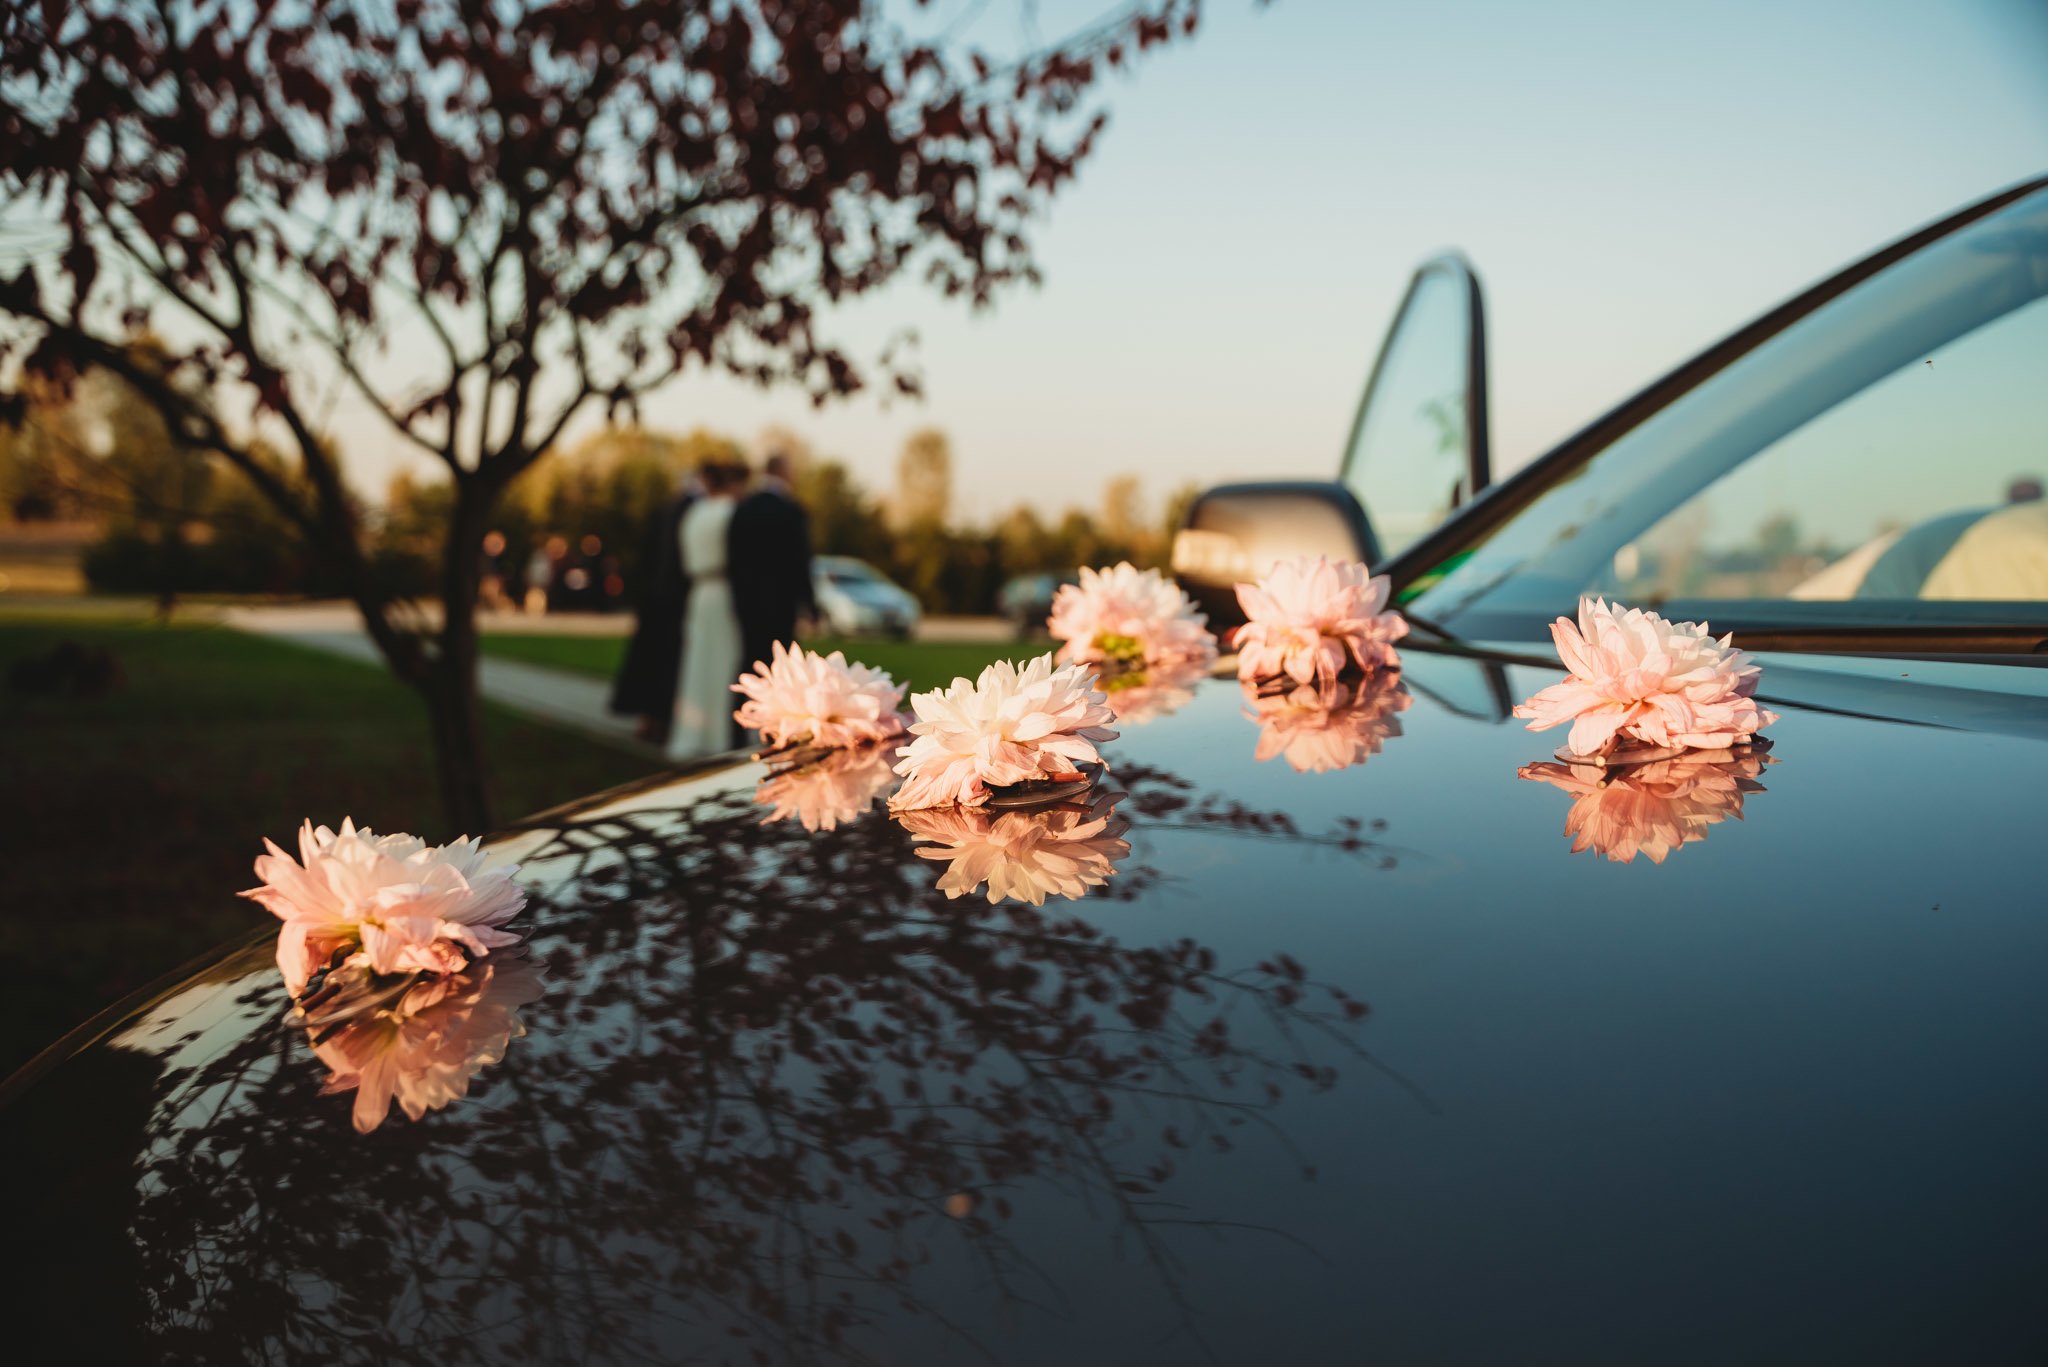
(178, 523)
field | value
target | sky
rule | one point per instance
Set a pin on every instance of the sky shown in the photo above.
(1630, 181)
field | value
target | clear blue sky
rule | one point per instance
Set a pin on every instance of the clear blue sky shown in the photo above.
(1632, 181)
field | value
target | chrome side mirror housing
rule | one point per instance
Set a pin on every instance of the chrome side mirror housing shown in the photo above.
(1236, 532)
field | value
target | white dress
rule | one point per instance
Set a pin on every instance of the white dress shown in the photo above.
(711, 636)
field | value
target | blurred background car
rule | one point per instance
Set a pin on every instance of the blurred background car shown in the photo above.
(856, 599)
(1026, 600)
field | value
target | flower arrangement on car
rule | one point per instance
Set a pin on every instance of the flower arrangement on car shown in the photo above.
(1000, 779)
(1319, 732)
(1064, 850)
(1144, 636)
(384, 904)
(829, 792)
(395, 955)
(1642, 688)
(420, 1051)
(1124, 619)
(1014, 737)
(827, 727)
(1317, 663)
(1139, 696)
(806, 705)
(1317, 623)
(1656, 807)
(1664, 730)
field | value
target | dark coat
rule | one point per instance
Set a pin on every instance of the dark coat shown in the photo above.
(646, 686)
(768, 559)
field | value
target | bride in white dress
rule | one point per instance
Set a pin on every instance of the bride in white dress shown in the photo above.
(711, 630)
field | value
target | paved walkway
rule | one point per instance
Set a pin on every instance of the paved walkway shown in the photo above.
(337, 618)
(576, 701)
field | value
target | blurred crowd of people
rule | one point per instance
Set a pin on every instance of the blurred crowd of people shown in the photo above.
(557, 577)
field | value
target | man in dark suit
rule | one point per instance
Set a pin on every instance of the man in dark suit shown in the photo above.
(646, 686)
(768, 559)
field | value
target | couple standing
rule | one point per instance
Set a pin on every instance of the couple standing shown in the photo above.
(728, 575)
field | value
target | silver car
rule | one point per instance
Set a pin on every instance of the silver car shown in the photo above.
(856, 599)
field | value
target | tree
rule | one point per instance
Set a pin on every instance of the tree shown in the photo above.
(608, 485)
(777, 440)
(1022, 541)
(924, 481)
(1122, 517)
(97, 448)
(1177, 504)
(844, 520)
(480, 222)
(40, 471)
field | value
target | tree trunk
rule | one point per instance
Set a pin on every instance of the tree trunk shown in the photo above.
(450, 685)
(456, 715)
(170, 567)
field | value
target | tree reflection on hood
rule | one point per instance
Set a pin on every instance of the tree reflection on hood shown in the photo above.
(777, 1083)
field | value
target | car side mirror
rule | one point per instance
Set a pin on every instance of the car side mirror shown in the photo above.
(1236, 532)
(1418, 451)
(1419, 445)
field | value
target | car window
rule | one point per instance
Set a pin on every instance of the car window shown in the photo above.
(1875, 464)
(1926, 485)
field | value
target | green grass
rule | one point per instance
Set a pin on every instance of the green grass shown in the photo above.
(919, 664)
(596, 655)
(131, 820)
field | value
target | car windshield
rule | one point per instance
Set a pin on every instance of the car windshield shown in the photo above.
(849, 574)
(1879, 463)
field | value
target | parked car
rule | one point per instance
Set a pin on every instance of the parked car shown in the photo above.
(1373, 1036)
(1026, 599)
(856, 599)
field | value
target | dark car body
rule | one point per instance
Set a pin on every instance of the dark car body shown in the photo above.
(1771, 1098)
(1398, 1044)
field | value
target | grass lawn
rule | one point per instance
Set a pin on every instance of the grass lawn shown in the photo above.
(922, 665)
(128, 822)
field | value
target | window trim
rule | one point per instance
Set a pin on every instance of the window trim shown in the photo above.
(1503, 500)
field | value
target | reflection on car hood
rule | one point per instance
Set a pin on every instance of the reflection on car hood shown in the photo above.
(1328, 1063)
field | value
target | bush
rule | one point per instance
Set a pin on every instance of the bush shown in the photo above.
(123, 562)
(130, 561)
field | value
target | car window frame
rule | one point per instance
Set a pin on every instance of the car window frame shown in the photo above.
(1411, 570)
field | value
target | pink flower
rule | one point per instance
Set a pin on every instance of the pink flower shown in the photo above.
(1651, 809)
(802, 697)
(1057, 851)
(1311, 619)
(421, 1052)
(1636, 676)
(1143, 695)
(1010, 726)
(1318, 731)
(1128, 616)
(393, 901)
(834, 790)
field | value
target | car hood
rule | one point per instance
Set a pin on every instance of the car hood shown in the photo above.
(1336, 1063)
